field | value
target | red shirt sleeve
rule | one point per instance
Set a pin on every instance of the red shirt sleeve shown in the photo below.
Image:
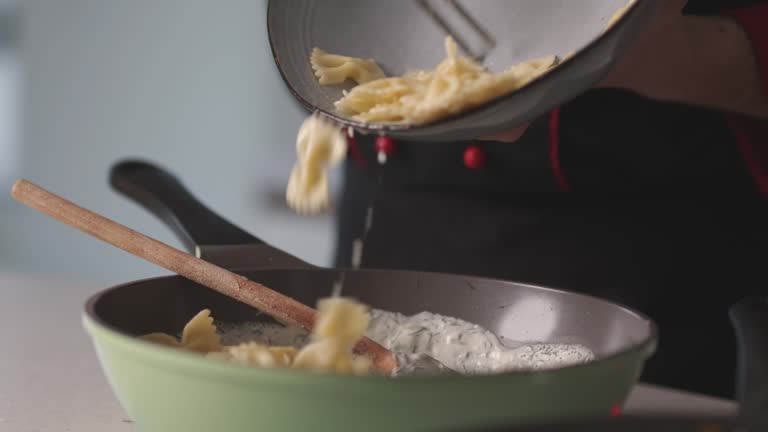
(751, 134)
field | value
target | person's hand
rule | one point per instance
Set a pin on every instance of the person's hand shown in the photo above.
(628, 68)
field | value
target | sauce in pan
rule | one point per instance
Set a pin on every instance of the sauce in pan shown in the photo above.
(464, 347)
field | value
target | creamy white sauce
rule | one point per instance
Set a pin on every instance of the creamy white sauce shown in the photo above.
(462, 346)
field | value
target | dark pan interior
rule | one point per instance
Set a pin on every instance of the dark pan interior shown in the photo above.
(515, 312)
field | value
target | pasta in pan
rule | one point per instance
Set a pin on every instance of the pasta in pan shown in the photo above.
(254, 354)
(199, 335)
(341, 322)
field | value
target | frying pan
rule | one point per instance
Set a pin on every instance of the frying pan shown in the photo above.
(403, 35)
(165, 389)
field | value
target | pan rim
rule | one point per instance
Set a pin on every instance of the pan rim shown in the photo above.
(644, 348)
(385, 128)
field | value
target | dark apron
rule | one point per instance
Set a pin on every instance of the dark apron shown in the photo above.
(662, 216)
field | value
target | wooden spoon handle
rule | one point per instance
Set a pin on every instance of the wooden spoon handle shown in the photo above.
(274, 304)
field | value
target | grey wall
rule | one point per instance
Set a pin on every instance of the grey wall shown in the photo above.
(187, 83)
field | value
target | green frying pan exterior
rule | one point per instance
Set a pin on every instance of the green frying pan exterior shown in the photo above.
(167, 390)
(163, 389)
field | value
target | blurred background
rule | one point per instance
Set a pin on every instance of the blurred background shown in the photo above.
(189, 84)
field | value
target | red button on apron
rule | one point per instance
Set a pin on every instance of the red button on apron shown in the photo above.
(385, 147)
(474, 157)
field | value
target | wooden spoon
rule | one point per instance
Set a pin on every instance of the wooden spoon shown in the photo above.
(281, 307)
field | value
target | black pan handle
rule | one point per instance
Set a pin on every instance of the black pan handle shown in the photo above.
(166, 197)
(750, 322)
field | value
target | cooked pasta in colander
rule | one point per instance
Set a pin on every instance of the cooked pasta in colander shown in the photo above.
(335, 69)
(420, 97)
(455, 85)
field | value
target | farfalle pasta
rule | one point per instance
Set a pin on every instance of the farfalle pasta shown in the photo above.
(254, 354)
(455, 85)
(320, 145)
(199, 335)
(335, 69)
(341, 322)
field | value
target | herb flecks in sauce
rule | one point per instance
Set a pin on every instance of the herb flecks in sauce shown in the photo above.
(464, 347)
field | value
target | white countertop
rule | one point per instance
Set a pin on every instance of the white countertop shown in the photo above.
(50, 380)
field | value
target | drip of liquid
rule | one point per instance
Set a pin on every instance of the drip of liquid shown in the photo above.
(338, 285)
(359, 243)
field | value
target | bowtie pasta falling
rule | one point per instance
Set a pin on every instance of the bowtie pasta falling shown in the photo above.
(340, 324)
(320, 145)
